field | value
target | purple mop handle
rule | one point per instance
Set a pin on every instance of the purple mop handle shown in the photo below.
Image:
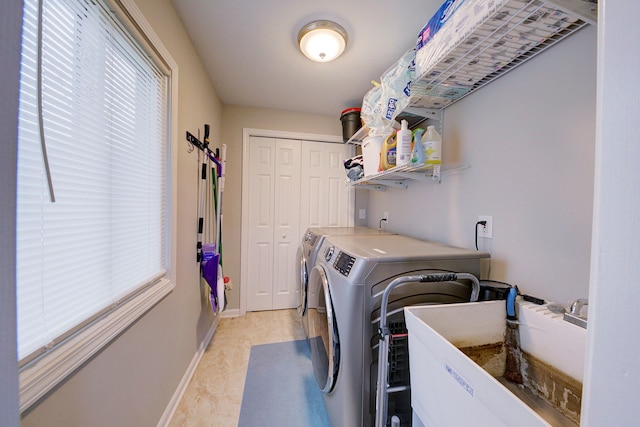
(217, 162)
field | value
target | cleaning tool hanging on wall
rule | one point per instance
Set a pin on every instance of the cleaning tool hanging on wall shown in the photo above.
(218, 189)
(210, 189)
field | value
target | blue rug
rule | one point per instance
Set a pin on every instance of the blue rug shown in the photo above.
(280, 389)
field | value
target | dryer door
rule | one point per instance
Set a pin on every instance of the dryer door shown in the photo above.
(302, 280)
(323, 333)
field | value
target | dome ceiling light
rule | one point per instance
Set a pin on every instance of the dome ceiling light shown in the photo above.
(322, 41)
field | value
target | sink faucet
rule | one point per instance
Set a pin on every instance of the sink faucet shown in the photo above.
(577, 305)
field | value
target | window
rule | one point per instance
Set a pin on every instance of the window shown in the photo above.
(92, 214)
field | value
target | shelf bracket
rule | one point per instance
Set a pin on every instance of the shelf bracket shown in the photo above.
(381, 184)
(397, 183)
(435, 115)
(432, 176)
(436, 173)
(370, 186)
(427, 113)
(587, 11)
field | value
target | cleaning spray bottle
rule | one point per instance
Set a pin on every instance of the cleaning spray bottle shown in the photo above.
(403, 145)
(417, 152)
(432, 143)
(388, 153)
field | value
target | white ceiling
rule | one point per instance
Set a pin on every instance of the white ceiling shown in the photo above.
(249, 48)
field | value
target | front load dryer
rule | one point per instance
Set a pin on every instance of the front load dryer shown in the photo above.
(306, 259)
(345, 289)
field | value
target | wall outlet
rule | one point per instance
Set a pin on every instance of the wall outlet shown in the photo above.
(386, 216)
(485, 231)
(362, 214)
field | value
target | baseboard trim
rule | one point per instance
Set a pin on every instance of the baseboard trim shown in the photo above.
(230, 313)
(172, 407)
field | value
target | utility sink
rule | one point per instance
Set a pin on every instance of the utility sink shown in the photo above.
(457, 360)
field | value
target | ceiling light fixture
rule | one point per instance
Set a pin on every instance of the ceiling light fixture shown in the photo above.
(322, 41)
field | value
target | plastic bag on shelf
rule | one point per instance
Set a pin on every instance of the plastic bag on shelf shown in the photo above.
(396, 82)
(371, 112)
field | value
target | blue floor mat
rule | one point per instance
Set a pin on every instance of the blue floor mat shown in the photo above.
(280, 389)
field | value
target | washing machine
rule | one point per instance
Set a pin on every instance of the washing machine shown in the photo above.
(345, 289)
(306, 259)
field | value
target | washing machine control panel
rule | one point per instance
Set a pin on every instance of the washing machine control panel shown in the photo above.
(343, 263)
(311, 238)
(329, 253)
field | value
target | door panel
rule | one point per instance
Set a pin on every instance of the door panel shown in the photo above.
(261, 197)
(287, 220)
(313, 203)
(263, 262)
(325, 198)
(336, 205)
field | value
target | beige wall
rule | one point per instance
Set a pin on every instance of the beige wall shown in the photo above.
(234, 120)
(131, 382)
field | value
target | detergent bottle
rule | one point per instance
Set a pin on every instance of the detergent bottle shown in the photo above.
(417, 153)
(388, 153)
(432, 143)
(403, 145)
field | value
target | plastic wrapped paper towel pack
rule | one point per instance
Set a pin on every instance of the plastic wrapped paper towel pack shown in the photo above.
(493, 32)
(451, 24)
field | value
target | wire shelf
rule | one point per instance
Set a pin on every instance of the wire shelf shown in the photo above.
(516, 32)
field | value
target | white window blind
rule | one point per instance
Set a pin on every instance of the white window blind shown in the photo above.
(103, 111)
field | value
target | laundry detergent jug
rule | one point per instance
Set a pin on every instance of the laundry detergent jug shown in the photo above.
(388, 153)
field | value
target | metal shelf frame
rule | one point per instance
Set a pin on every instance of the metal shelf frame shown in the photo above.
(516, 31)
(511, 34)
(400, 176)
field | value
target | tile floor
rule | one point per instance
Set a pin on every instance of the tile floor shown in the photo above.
(214, 395)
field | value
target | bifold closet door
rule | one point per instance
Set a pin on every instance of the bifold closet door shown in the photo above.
(274, 222)
(325, 198)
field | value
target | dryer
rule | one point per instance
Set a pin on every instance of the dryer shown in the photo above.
(345, 289)
(306, 259)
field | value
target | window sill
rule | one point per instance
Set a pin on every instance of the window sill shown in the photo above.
(43, 374)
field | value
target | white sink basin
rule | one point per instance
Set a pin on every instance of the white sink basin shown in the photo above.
(449, 389)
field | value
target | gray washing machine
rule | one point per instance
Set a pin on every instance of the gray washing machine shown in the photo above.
(306, 259)
(345, 289)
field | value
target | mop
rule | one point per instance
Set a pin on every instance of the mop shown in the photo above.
(218, 188)
(208, 254)
(219, 184)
